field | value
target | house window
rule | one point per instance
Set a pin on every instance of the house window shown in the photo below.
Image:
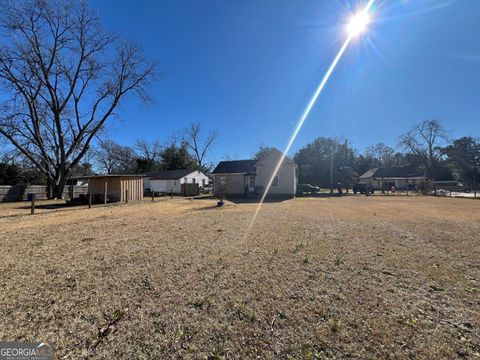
(203, 182)
(275, 181)
(194, 181)
(175, 182)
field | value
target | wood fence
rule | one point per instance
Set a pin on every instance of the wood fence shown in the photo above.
(190, 189)
(20, 192)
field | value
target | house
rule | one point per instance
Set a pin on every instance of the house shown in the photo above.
(172, 180)
(114, 188)
(251, 177)
(400, 177)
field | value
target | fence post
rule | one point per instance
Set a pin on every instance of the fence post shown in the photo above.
(126, 196)
(89, 200)
(32, 206)
(105, 195)
(475, 186)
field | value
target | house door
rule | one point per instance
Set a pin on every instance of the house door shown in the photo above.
(251, 183)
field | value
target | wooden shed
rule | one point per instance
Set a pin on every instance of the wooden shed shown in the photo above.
(114, 188)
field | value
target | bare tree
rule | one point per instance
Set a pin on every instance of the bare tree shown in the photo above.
(114, 158)
(382, 153)
(64, 76)
(149, 150)
(424, 141)
(198, 144)
(262, 151)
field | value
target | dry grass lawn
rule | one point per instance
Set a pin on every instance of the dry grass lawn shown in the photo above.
(353, 277)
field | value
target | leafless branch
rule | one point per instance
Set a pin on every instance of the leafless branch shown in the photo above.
(65, 77)
(198, 146)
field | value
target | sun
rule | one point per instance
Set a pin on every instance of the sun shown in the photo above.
(358, 23)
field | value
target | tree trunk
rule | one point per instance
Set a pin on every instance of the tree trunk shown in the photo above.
(57, 186)
(57, 191)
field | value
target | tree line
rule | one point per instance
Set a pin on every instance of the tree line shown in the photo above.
(63, 78)
(326, 161)
(187, 150)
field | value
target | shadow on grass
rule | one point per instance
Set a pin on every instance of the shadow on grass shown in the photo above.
(322, 195)
(48, 206)
(58, 207)
(250, 200)
(52, 207)
(204, 197)
(213, 207)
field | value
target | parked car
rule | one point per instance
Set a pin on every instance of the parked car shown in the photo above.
(303, 189)
(452, 186)
(363, 188)
(464, 188)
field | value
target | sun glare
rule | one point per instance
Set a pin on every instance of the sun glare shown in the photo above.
(358, 23)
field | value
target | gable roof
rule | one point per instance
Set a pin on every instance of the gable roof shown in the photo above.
(236, 166)
(169, 174)
(368, 174)
(246, 166)
(394, 172)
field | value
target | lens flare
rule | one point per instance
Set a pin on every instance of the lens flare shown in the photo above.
(361, 24)
(358, 23)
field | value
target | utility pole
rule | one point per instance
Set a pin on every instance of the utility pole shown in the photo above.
(331, 172)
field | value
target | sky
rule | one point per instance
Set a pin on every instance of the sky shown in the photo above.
(248, 68)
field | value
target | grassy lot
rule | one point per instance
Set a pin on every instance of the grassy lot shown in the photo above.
(353, 277)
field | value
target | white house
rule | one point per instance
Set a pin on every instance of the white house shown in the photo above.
(172, 180)
(401, 178)
(251, 177)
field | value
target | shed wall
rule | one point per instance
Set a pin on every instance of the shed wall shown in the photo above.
(134, 187)
(116, 188)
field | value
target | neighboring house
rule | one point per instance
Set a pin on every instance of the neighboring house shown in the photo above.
(172, 180)
(399, 177)
(251, 177)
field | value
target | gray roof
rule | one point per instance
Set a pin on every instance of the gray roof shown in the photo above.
(169, 174)
(394, 172)
(236, 166)
(108, 176)
(369, 173)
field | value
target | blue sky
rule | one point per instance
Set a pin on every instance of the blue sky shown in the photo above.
(248, 68)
